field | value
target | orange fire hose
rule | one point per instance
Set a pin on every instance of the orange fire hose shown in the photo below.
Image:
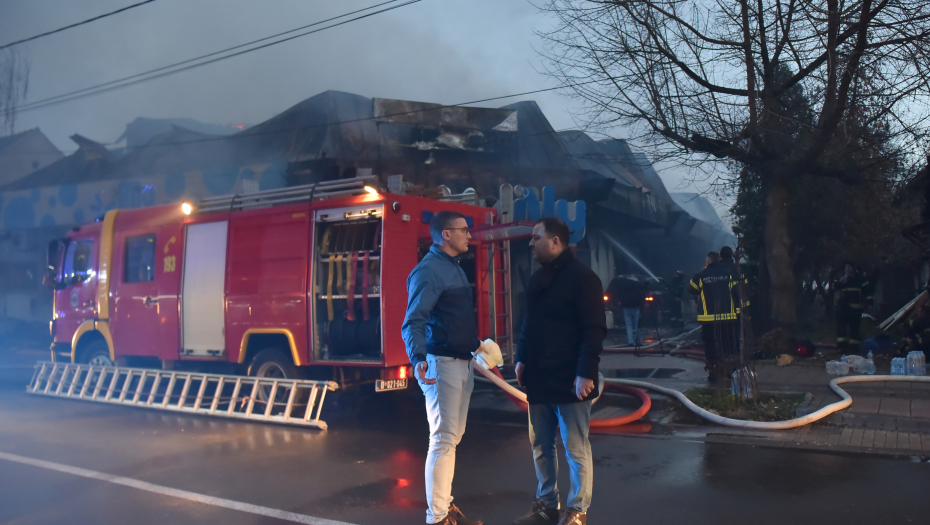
(598, 422)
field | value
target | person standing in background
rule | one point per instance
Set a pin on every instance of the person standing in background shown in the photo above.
(717, 300)
(630, 292)
(676, 288)
(850, 293)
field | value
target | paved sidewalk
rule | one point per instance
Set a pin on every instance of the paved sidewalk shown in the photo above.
(884, 418)
(821, 437)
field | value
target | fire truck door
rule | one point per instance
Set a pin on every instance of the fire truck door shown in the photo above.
(134, 320)
(203, 290)
(76, 302)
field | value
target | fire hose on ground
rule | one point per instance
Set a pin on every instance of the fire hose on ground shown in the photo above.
(628, 386)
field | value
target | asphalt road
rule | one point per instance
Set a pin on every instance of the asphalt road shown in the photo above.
(79, 462)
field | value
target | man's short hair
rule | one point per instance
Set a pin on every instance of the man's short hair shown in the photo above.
(726, 252)
(555, 227)
(442, 221)
(713, 257)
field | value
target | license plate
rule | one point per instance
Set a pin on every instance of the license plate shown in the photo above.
(383, 385)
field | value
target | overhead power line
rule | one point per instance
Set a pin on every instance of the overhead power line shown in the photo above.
(196, 62)
(89, 20)
(195, 59)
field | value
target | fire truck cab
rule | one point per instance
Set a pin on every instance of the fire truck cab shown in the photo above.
(303, 282)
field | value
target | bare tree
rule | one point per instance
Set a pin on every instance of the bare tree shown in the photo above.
(704, 80)
(14, 85)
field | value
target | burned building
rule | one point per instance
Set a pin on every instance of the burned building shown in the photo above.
(632, 224)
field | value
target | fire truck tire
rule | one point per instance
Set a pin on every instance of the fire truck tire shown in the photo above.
(273, 364)
(97, 354)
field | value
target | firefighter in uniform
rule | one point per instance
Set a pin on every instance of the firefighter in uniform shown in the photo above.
(917, 331)
(675, 289)
(717, 300)
(850, 298)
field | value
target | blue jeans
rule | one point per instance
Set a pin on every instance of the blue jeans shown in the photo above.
(631, 317)
(446, 410)
(573, 420)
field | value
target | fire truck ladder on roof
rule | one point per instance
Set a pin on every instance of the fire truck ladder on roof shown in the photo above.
(304, 193)
(293, 402)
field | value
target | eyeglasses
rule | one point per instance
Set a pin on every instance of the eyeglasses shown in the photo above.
(463, 229)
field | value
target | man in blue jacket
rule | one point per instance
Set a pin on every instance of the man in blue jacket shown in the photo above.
(441, 332)
(557, 357)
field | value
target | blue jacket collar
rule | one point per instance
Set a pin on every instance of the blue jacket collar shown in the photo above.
(438, 251)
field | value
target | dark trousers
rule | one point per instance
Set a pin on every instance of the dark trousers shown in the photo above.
(721, 342)
(675, 316)
(847, 328)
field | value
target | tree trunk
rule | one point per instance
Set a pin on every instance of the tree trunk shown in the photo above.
(762, 309)
(778, 252)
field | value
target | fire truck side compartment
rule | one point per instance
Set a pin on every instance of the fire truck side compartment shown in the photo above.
(269, 255)
(347, 269)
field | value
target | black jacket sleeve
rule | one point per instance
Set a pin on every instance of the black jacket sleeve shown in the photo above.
(590, 304)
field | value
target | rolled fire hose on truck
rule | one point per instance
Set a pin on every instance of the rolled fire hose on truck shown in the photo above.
(488, 357)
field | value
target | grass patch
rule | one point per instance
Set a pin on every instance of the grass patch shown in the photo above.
(768, 407)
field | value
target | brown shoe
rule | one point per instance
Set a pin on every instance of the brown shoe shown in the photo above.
(572, 517)
(459, 519)
(540, 514)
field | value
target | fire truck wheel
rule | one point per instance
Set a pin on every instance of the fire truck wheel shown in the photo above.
(97, 354)
(272, 363)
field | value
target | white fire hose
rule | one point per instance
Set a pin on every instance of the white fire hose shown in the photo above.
(486, 357)
(777, 425)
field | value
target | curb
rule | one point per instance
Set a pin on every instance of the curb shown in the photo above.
(768, 442)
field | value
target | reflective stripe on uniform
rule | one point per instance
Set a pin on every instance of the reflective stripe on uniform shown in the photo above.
(717, 317)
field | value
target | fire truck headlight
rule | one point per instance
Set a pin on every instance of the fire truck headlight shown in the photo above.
(187, 208)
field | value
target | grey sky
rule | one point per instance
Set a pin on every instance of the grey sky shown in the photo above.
(443, 51)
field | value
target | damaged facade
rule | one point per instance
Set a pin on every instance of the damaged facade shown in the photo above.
(338, 135)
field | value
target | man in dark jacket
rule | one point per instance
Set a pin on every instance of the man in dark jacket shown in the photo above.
(718, 307)
(630, 293)
(557, 357)
(441, 332)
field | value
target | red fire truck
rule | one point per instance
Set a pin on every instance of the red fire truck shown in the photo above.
(302, 282)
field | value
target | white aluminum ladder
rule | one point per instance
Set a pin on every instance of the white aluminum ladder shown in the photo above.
(293, 402)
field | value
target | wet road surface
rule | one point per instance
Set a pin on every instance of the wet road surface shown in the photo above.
(368, 469)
